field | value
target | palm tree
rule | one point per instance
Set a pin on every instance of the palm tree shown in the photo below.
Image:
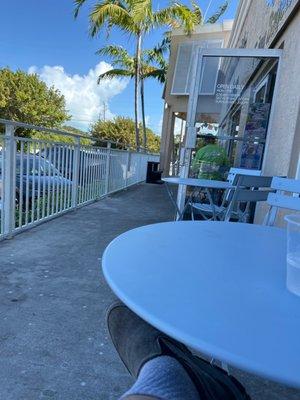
(137, 18)
(153, 65)
(217, 15)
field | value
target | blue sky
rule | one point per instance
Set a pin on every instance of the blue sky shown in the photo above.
(43, 37)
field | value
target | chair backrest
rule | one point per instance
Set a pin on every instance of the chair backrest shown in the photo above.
(248, 190)
(280, 199)
(233, 177)
(233, 172)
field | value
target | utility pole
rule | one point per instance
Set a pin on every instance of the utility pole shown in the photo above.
(104, 111)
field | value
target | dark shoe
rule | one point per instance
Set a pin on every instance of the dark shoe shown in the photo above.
(212, 382)
(134, 339)
(138, 342)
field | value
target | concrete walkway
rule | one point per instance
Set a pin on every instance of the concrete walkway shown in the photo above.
(53, 342)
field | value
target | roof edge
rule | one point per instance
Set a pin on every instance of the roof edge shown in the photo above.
(224, 26)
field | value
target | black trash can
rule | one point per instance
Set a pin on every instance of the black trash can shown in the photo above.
(153, 172)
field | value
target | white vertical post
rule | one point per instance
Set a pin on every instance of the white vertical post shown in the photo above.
(107, 168)
(9, 180)
(75, 174)
(190, 136)
(127, 166)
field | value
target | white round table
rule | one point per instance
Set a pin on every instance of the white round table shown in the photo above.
(196, 183)
(218, 287)
(200, 183)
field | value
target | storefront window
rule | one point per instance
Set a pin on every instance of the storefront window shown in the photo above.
(234, 115)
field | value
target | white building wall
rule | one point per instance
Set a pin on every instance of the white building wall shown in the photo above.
(259, 24)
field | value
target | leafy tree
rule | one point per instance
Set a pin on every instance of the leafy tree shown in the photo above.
(122, 131)
(153, 141)
(137, 18)
(24, 97)
(153, 65)
(74, 130)
(85, 139)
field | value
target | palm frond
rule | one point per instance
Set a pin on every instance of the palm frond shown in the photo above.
(159, 50)
(217, 15)
(198, 12)
(156, 73)
(164, 46)
(176, 15)
(111, 12)
(112, 51)
(141, 11)
(115, 73)
(119, 56)
(137, 16)
(78, 4)
(152, 56)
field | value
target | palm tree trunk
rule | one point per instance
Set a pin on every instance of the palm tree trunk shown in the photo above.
(143, 115)
(136, 90)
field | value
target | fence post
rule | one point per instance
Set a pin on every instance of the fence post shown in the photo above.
(107, 168)
(75, 173)
(9, 188)
(140, 168)
(127, 166)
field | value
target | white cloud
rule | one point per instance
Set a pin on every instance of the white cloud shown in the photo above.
(84, 97)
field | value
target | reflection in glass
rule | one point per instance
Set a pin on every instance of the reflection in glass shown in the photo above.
(234, 104)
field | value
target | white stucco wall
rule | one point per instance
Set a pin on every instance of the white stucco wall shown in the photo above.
(286, 104)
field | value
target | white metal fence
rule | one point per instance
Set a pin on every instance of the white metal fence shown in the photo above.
(41, 179)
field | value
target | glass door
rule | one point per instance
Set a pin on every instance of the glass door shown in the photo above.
(230, 106)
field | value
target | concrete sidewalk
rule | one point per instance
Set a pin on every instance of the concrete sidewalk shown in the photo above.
(53, 297)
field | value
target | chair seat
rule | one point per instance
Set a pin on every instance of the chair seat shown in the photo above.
(207, 208)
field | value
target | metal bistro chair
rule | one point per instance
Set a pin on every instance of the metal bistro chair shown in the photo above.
(249, 190)
(236, 203)
(284, 197)
(241, 171)
(215, 211)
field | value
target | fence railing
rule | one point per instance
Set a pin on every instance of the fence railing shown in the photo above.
(41, 179)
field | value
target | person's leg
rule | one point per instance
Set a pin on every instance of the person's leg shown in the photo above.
(164, 378)
(165, 369)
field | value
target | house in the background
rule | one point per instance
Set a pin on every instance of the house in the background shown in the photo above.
(178, 79)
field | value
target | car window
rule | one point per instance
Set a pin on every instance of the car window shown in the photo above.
(43, 166)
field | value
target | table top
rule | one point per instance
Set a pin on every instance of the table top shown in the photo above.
(205, 183)
(218, 287)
